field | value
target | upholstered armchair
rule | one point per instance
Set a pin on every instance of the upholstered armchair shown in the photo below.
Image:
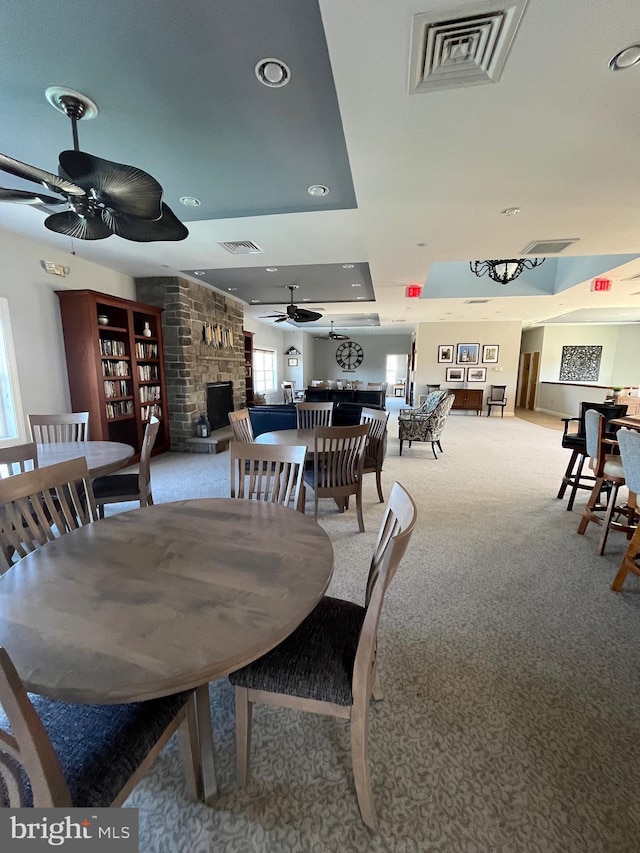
(425, 424)
(431, 401)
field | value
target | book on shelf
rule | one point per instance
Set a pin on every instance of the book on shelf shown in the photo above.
(115, 368)
(119, 409)
(152, 411)
(149, 393)
(109, 347)
(144, 350)
(116, 388)
(148, 372)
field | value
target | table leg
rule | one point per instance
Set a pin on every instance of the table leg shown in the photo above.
(205, 740)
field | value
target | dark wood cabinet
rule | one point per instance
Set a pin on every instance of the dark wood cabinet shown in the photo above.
(467, 398)
(115, 365)
(248, 366)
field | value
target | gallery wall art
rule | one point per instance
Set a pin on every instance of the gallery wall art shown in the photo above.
(580, 364)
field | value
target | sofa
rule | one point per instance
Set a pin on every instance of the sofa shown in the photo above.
(371, 399)
(277, 417)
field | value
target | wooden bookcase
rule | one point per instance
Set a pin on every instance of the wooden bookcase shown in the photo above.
(248, 366)
(115, 372)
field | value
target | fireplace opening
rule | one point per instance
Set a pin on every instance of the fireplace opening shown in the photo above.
(219, 403)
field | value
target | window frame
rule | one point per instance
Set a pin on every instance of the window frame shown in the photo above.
(259, 371)
(7, 349)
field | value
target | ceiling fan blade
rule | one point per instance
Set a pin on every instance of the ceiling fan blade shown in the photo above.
(282, 319)
(39, 176)
(168, 227)
(321, 338)
(22, 197)
(126, 189)
(74, 225)
(338, 337)
(303, 315)
(271, 316)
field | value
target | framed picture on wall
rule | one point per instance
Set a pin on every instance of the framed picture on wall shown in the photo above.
(445, 353)
(490, 353)
(468, 354)
(455, 374)
(292, 362)
(476, 374)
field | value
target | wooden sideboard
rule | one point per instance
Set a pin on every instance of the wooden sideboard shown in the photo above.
(632, 404)
(469, 399)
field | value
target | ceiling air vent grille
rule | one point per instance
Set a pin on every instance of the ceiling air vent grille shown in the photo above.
(465, 48)
(542, 248)
(476, 301)
(241, 247)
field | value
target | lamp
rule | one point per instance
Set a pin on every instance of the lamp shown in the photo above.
(504, 271)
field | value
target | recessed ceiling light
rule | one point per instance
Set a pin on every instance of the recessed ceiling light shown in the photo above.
(625, 58)
(356, 284)
(306, 299)
(190, 201)
(421, 245)
(273, 72)
(347, 266)
(232, 289)
(255, 301)
(199, 272)
(510, 211)
(318, 190)
(271, 269)
(360, 298)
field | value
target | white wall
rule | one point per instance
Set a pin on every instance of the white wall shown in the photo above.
(35, 315)
(376, 347)
(273, 338)
(506, 335)
(626, 364)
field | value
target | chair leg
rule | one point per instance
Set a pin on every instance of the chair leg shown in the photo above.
(611, 504)
(576, 481)
(315, 504)
(439, 446)
(244, 712)
(401, 443)
(628, 563)
(379, 486)
(360, 762)
(433, 449)
(588, 514)
(359, 508)
(567, 474)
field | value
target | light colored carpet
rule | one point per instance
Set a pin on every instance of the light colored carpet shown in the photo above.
(510, 720)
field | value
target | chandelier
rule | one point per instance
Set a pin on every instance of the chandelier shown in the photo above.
(505, 271)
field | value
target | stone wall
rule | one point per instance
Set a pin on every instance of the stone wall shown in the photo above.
(189, 362)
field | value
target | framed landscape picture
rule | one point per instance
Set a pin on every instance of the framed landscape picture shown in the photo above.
(292, 362)
(445, 353)
(468, 354)
(490, 353)
(476, 374)
(455, 374)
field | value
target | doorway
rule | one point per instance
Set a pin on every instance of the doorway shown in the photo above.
(530, 369)
(396, 375)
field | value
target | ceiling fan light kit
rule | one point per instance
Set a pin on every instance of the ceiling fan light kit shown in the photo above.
(103, 197)
(504, 271)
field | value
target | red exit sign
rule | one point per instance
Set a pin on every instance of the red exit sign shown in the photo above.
(601, 284)
(414, 291)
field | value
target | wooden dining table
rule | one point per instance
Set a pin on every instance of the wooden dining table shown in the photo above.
(162, 599)
(288, 438)
(629, 422)
(103, 457)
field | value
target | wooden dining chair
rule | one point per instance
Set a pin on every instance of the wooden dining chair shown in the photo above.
(337, 466)
(38, 506)
(328, 665)
(19, 458)
(629, 441)
(46, 429)
(89, 756)
(124, 488)
(241, 425)
(268, 473)
(376, 443)
(607, 468)
(310, 415)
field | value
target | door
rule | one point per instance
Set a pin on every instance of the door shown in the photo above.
(524, 380)
(533, 380)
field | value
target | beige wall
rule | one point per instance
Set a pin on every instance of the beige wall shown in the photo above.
(35, 315)
(506, 335)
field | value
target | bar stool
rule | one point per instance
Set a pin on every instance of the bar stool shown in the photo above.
(629, 441)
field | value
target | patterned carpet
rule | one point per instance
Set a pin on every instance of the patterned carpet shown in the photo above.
(510, 722)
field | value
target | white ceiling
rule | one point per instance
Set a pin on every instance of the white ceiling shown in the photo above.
(556, 136)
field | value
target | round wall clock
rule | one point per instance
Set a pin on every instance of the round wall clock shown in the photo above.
(349, 355)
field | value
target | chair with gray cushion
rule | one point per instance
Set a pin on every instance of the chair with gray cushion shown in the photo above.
(58, 754)
(329, 664)
(425, 425)
(629, 441)
(497, 399)
(124, 488)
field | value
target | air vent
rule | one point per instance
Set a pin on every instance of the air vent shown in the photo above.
(241, 247)
(542, 248)
(466, 48)
(476, 301)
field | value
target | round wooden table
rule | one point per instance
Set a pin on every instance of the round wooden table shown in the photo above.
(161, 599)
(288, 438)
(103, 457)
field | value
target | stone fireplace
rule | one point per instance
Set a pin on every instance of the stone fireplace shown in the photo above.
(190, 362)
(219, 403)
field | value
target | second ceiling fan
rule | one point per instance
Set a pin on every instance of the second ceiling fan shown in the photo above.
(332, 336)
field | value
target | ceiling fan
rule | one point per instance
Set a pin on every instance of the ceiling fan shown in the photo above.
(103, 197)
(298, 315)
(332, 336)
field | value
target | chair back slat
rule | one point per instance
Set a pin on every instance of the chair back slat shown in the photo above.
(49, 429)
(241, 425)
(311, 415)
(17, 459)
(268, 473)
(339, 456)
(40, 505)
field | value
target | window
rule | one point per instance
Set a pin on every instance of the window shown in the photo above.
(264, 371)
(10, 407)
